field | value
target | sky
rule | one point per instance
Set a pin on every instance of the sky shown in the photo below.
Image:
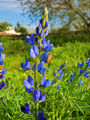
(11, 12)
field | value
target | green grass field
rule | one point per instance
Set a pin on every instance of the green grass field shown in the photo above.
(59, 104)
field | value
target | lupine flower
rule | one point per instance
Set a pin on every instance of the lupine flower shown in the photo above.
(1, 49)
(26, 109)
(2, 98)
(59, 78)
(2, 77)
(62, 73)
(1, 55)
(38, 96)
(88, 62)
(80, 64)
(4, 71)
(72, 77)
(33, 68)
(59, 70)
(1, 62)
(31, 40)
(43, 41)
(39, 31)
(54, 74)
(80, 83)
(47, 47)
(58, 87)
(2, 84)
(81, 71)
(29, 84)
(26, 66)
(44, 57)
(41, 68)
(33, 52)
(41, 116)
(63, 66)
(45, 83)
(86, 74)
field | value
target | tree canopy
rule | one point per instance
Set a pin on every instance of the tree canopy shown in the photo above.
(72, 13)
(4, 26)
(20, 29)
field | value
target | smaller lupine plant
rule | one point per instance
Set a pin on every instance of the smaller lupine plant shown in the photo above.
(40, 52)
(2, 69)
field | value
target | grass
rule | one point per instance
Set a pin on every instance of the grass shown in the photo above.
(58, 103)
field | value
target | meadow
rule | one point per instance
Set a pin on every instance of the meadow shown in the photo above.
(66, 103)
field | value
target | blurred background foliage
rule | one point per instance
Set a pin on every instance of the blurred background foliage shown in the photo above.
(65, 14)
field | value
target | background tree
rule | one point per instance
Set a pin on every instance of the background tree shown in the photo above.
(72, 13)
(4, 26)
(20, 29)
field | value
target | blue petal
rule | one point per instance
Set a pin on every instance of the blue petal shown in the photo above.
(46, 32)
(59, 70)
(80, 64)
(43, 81)
(58, 87)
(47, 83)
(42, 97)
(1, 62)
(4, 71)
(30, 80)
(27, 84)
(54, 74)
(46, 43)
(27, 39)
(29, 90)
(81, 71)
(26, 66)
(41, 116)
(33, 52)
(36, 95)
(59, 78)
(44, 57)
(40, 65)
(0, 44)
(26, 109)
(49, 48)
(1, 49)
(2, 84)
(43, 41)
(73, 75)
(86, 74)
(43, 70)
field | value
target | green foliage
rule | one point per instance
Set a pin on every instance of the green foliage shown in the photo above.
(20, 29)
(4, 26)
(59, 104)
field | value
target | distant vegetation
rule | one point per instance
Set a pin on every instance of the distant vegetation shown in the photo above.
(4, 26)
(20, 29)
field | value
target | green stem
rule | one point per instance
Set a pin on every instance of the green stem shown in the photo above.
(36, 86)
(36, 110)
